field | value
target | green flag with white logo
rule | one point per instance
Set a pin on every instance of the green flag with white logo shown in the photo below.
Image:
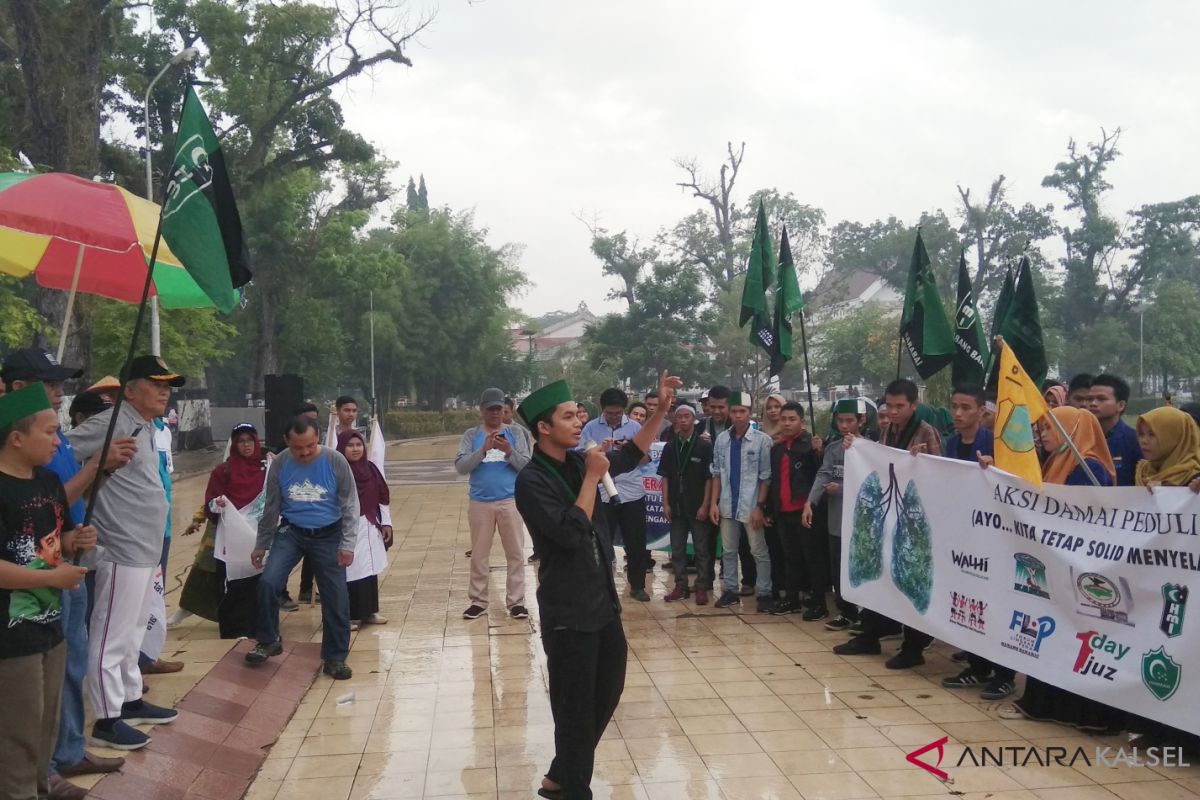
(970, 348)
(759, 275)
(788, 301)
(924, 330)
(200, 221)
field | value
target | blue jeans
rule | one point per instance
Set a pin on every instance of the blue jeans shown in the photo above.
(731, 534)
(68, 750)
(291, 545)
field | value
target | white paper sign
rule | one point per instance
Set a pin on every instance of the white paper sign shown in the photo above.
(1088, 589)
(237, 532)
(369, 556)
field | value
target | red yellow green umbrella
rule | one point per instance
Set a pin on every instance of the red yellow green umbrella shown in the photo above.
(79, 235)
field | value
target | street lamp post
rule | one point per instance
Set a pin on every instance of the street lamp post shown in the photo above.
(187, 54)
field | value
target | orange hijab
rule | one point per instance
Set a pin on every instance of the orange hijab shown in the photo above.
(1084, 429)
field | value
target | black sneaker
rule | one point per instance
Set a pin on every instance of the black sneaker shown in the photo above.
(967, 679)
(728, 599)
(139, 712)
(838, 623)
(766, 604)
(474, 612)
(120, 736)
(337, 670)
(960, 657)
(858, 646)
(535, 558)
(815, 614)
(518, 612)
(640, 595)
(998, 689)
(262, 652)
(304, 597)
(903, 660)
(783, 607)
(856, 628)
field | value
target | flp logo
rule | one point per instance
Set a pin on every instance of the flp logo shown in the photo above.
(1028, 633)
(1030, 576)
(971, 564)
(1175, 596)
(1095, 651)
(967, 612)
(1161, 673)
(1102, 597)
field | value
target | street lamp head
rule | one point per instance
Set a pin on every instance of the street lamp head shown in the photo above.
(187, 54)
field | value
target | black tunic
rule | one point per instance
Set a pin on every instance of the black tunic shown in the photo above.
(576, 590)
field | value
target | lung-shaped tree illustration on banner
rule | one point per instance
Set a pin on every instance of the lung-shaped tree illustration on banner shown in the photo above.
(912, 540)
(866, 538)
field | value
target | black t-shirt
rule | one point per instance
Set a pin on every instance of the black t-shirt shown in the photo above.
(33, 512)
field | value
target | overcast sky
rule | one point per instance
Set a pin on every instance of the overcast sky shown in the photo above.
(531, 111)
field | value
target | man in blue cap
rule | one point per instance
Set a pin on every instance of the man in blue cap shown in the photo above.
(558, 496)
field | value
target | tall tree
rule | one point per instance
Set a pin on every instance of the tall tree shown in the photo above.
(709, 238)
(1000, 232)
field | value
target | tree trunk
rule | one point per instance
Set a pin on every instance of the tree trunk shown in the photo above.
(61, 44)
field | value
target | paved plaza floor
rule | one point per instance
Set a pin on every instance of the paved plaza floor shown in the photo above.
(716, 705)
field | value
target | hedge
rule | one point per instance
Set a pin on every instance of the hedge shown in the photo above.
(412, 424)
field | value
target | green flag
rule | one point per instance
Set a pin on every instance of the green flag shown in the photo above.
(1021, 326)
(924, 330)
(200, 220)
(788, 301)
(759, 274)
(970, 347)
(1002, 303)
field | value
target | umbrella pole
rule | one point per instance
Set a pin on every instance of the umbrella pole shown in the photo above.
(66, 328)
(116, 409)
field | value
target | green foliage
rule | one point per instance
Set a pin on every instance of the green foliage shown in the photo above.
(19, 320)
(411, 424)
(859, 348)
(192, 339)
(1173, 331)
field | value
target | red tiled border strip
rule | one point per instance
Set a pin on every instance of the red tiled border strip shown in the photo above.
(226, 723)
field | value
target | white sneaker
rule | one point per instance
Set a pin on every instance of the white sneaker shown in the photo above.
(376, 619)
(179, 616)
(1010, 711)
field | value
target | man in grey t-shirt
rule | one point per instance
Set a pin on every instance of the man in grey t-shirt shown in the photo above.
(130, 517)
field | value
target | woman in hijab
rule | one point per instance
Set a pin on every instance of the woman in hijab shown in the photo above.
(1170, 442)
(238, 481)
(770, 424)
(1041, 701)
(1055, 395)
(374, 527)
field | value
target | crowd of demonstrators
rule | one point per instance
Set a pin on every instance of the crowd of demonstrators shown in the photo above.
(311, 509)
(374, 531)
(1107, 400)
(491, 454)
(626, 518)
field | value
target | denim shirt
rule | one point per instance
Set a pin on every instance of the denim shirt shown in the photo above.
(755, 469)
(629, 485)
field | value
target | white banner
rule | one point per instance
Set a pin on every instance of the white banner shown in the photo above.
(658, 530)
(155, 637)
(1084, 588)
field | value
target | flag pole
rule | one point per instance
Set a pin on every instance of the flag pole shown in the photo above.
(124, 376)
(374, 403)
(812, 417)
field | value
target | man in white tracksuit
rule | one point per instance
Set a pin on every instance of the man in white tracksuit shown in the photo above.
(130, 518)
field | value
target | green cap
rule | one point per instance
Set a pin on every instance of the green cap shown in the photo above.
(740, 399)
(543, 400)
(24, 402)
(850, 405)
